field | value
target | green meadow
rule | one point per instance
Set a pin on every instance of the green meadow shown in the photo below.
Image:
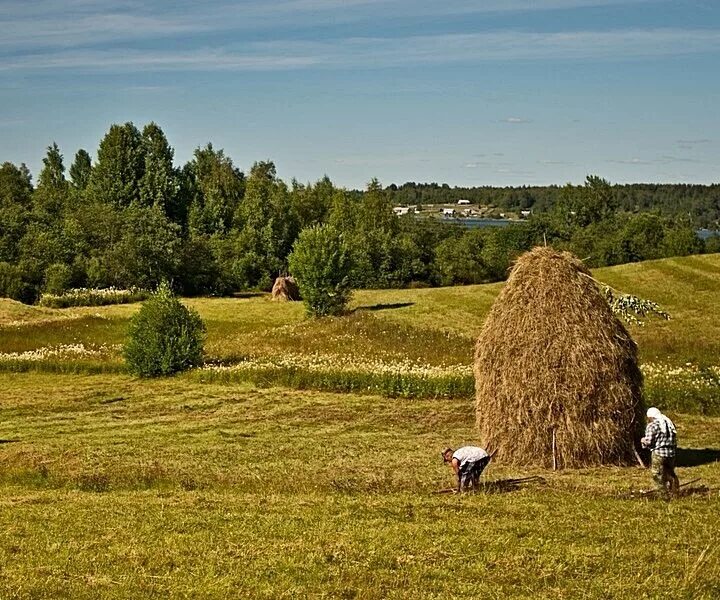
(304, 461)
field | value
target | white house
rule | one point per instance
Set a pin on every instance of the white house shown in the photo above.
(401, 210)
(448, 212)
(462, 202)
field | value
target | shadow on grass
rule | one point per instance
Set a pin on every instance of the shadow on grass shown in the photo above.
(694, 457)
(376, 307)
(500, 486)
(243, 295)
(8, 441)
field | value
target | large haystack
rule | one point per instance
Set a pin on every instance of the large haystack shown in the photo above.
(285, 289)
(554, 368)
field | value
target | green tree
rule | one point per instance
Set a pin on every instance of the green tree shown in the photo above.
(148, 252)
(15, 203)
(321, 263)
(51, 194)
(80, 170)
(578, 206)
(159, 183)
(459, 260)
(268, 226)
(165, 337)
(115, 178)
(58, 278)
(311, 203)
(216, 188)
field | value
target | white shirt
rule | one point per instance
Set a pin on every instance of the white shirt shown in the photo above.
(469, 454)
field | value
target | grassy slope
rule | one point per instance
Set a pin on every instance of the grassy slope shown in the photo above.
(433, 325)
(119, 488)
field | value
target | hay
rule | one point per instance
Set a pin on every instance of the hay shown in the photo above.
(285, 289)
(554, 366)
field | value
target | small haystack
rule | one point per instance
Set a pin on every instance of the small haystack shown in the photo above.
(556, 374)
(285, 289)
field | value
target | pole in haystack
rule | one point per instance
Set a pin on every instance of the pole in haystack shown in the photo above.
(552, 355)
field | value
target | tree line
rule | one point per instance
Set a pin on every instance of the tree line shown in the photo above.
(131, 218)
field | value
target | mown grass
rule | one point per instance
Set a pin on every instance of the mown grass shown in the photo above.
(112, 487)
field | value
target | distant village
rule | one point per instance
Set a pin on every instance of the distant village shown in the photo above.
(462, 210)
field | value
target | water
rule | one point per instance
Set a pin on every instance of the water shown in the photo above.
(476, 222)
(704, 234)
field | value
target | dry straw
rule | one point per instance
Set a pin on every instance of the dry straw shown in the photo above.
(556, 373)
(285, 289)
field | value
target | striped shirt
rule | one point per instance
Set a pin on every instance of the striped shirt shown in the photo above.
(660, 442)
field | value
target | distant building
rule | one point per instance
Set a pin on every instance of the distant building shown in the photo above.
(463, 202)
(403, 210)
(448, 212)
(525, 213)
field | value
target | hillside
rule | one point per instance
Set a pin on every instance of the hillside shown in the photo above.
(436, 325)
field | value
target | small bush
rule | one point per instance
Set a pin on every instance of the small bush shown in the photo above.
(321, 264)
(165, 337)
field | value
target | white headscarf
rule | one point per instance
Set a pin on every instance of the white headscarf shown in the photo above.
(666, 425)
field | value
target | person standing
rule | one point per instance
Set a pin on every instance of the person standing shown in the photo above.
(468, 463)
(661, 438)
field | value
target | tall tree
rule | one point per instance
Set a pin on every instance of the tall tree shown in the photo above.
(15, 198)
(159, 183)
(216, 188)
(268, 227)
(52, 190)
(115, 179)
(80, 170)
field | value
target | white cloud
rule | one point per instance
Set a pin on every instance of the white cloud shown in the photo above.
(363, 52)
(515, 120)
(75, 23)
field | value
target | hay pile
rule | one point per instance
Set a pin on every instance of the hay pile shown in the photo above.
(285, 289)
(553, 359)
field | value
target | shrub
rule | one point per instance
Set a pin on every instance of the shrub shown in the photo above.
(320, 262)
(11, 282)
(57, 278)
(165, 337)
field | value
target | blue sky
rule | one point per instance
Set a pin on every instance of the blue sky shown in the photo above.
(493, 92)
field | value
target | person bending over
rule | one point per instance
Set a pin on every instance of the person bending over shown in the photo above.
(660, 438)
(468, 463)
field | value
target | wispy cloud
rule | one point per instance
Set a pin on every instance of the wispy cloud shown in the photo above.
(72, 23)
(677, 159)
(515, 120)
(630, 161)
(364, 52)
(561, 163)
(660, 160)
(694, 142)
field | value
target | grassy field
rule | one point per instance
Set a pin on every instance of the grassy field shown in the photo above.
(219, 484)
(115, 488)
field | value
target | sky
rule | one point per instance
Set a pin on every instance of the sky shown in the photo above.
(490, 92)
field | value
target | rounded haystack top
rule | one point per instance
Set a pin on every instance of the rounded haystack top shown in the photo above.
(285, 289)
(556, 373)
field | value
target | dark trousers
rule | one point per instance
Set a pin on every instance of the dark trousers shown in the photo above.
(470, 472)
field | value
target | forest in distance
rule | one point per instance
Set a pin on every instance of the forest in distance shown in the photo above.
(132, 218)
